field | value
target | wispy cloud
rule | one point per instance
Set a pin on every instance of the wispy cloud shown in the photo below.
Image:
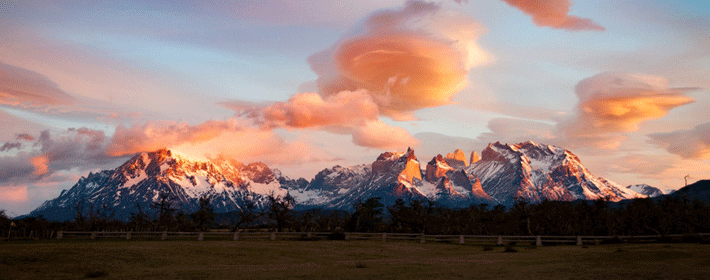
(692, 143)
(28, 89)
(555, 14)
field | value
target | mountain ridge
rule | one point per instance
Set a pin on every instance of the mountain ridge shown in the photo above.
(503, 174)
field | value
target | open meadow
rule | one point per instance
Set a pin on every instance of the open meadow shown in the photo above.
(80, 259)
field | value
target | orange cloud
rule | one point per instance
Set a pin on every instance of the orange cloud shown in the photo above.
(406, 59)
(377, 134)
(616, 103)
(555, 14)
(41, 164)
(158, 135)
(312, 110)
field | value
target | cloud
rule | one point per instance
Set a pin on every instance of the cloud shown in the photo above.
(348, 112)
(13, 194)
(311, 110)
(691, 144)
(397, 62)
(516, 130)
(73, 148)
(555, 14)
(158, 135)
(611, 104)
(645, 164)
(25, 136)
(10, 145)
(377, 134)
(406, 59)
(28, 89)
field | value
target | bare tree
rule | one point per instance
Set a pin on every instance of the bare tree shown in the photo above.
(247, 213)
(205, 214)
(279, 209)
(165, 211)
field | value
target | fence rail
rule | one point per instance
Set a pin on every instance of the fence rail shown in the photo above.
(384, 237)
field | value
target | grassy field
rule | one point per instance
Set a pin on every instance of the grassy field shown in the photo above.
(80, 259)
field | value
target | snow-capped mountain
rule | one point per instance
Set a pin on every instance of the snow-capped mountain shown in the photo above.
(502, 174)
(390, 177)
(142, 179)
(646, 190)
(536, 172)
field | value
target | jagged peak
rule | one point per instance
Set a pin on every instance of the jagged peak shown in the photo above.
(474, 157)
(457, 155)
(399, 156)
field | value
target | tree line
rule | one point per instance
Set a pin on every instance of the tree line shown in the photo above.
(643, 216)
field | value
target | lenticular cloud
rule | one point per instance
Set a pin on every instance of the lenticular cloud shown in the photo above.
(397, 62)
(406, 59)
(613, 103)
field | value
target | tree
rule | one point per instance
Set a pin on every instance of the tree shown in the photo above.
(79, 217)
(165, 211)
(279, 209)
(138, 220)
(367, 216)
(205, 214)
(247, 213)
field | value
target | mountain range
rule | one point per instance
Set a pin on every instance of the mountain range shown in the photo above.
(502, 174)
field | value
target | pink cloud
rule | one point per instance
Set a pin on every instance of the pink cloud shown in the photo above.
(28, 89)
(377, 134)
(311, 109)
(40, 164)
(13, 194)
(157, 135)
(692, 143)
(555, 14)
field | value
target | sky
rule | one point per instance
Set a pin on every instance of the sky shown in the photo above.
(305, 85)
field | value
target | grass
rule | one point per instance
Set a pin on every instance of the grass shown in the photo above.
(104, 259)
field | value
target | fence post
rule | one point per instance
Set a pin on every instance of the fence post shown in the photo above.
(128, 235)
(538, 241)
(236, 236)
(93, 235)
(273, 236)
(384, 237)
(347, 236)
(500, 240)
(579, 241)
(164, 236)
(201, 236)
(60, 235)
(461, 239)
(423, 239)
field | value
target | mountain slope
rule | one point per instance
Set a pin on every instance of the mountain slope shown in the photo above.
(646, 190)
(142, 179)
(536, 172)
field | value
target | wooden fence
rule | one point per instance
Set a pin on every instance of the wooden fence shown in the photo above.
(499, 240)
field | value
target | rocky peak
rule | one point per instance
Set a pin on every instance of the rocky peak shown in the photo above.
(457, 159)
(437, 168)
(259, 173)
(474, 157)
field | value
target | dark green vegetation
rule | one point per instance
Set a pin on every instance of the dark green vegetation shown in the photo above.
(671, 215)
(73, 259)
